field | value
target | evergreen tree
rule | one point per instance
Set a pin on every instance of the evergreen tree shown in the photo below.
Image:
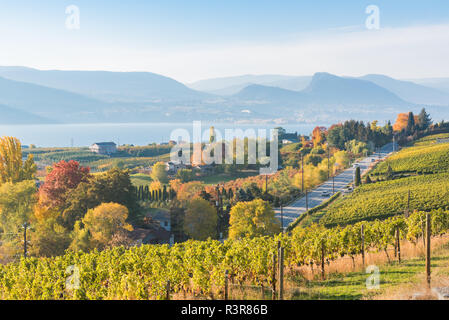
(164, 193)
(389, 173)
(368, 179)
(410, 123)
(230, 194)
(146, 192)
(358, 179)
(424, 119)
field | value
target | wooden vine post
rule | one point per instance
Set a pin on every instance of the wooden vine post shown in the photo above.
(167, 288)
(398, 243)
(323, 249)
(363, 245)
(281, 273)
(226, 287)
(428, 233)
(273, 278)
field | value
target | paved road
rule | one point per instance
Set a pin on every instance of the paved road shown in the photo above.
(294, 210)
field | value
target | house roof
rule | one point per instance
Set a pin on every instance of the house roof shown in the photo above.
(159, 235)
(105, 144)
(159, 215)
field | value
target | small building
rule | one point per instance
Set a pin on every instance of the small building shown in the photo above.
(162, 217)
(174, 167)
(151, 236)
(104, 148)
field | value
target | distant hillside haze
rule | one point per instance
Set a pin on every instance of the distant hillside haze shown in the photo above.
(210, 85)
(327, 88)
(436, 83)
(48, 103)
(10, 115)
(107, 86)
(31, 95)
(410, 91)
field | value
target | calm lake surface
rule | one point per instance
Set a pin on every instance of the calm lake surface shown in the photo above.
(79, 135)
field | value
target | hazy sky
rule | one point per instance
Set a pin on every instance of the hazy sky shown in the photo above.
(192, 39)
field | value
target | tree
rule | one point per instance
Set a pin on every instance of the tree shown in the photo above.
(389, 174)
(189, 190)
(318, 135)
(102, 223)
(200, 220)
(424, 119)
(17, 201)
(401, 122)
(251, 219)
(159, 172)
(12, 168)
(368, 179)
(185, 175)
(410, 123)
(49, 238)
(112, 186)
(63, 177)
(358, 179)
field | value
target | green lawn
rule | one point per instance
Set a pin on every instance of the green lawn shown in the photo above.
(141, 179)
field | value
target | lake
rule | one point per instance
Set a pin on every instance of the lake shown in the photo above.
(81, 135)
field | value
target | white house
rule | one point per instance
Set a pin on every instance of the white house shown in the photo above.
(103, 147)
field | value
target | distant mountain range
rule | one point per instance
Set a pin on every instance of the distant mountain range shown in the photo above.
(35, 96)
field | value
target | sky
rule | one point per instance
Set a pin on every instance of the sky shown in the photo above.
(191, 40)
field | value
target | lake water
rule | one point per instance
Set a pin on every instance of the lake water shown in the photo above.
(79, 135)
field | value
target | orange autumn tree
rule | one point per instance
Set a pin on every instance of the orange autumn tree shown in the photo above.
(318, 135)
(402, 120)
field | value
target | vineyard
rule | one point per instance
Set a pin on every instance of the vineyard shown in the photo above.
(387, 198)
(419, 159)
(199, 267)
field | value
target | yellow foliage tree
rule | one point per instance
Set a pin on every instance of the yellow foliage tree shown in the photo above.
(159, 172)
(102, 223)
(12, 168)
(155, 186)
(251, 219)
(200, 220)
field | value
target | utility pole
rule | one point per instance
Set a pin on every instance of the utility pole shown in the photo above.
(393, 143)
(328, 159)
(302, 175)
(25, 226)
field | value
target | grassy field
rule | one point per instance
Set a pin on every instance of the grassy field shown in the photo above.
(141, 179)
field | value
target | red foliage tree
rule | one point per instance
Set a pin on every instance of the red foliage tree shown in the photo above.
(63, 177)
